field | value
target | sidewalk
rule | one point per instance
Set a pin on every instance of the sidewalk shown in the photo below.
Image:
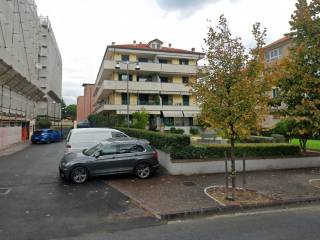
(167, 196)
(14, 148)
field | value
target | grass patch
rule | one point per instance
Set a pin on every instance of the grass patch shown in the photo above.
(311, 144)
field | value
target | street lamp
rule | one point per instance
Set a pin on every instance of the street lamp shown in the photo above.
(137, 67)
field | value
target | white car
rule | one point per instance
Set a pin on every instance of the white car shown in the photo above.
(82, 138)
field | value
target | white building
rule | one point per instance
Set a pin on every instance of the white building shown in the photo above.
(30, 69)
(158, 83)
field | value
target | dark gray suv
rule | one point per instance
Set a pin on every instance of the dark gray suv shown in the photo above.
(113, 156)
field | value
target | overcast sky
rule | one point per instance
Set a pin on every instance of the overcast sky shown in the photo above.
(83, 28)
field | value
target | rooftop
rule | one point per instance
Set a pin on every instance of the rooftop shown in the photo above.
(279, 41)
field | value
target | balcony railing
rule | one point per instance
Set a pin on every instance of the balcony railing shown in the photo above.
(154, 67)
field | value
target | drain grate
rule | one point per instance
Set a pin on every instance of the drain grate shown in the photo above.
(189, 183)
(4, 191)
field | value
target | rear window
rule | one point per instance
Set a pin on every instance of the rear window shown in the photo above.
(118, 135)
(80, 137)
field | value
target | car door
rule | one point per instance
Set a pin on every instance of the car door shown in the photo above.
(126, 157)
(106, 162)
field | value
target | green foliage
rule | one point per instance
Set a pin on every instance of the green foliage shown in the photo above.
(298, 76)
(70, 112)
(194, 131)
(206, 151)
(162, 141)
(43, 123)
(140, 120)
(286, 127)
(176, 130)
(231, 91)
(103, 120)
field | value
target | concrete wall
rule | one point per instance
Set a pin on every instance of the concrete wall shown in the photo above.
(205, 167)
(9, 136)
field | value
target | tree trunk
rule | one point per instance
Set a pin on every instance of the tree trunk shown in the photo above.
(303, 143)
(233, 166)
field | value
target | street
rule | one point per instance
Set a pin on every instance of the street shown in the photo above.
(41, 206)
(292, 224)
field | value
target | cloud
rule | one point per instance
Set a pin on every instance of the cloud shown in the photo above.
(186, 8)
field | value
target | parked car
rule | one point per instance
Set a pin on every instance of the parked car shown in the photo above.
(45, 136)
(114, 156)
(79, 139)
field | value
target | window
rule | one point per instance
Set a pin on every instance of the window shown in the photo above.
(183, 61)
(185, 100)
(124, 99)
(167, 100)
(275, 92)
(123, 77)
(143, 60)
(118, 135)
(274, 54)
(185, 80)
(131, 148)
(168, 121)
(125, 58)
(109, 149)
(155, 45)
(163, 61)
(166, 80)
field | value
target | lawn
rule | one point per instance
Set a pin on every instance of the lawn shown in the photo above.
(311, 144)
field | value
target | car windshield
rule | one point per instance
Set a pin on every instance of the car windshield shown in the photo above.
(92, 150)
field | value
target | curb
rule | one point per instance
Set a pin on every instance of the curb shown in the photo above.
(234, 209)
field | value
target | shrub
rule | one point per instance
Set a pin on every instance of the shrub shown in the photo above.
(194, 131)
(206, 151)
(43, 123)
(102, 120)
(258, 139)
(176, 131)
(159, 140)
(140, 120)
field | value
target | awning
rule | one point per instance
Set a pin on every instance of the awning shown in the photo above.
(190, 113)
(172, 113)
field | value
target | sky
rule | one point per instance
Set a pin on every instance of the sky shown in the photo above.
(84, 28)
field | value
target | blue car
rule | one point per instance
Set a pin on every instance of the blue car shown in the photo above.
(45, 136)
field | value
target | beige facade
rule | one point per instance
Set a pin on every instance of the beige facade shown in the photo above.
(273, 53)
(159, 80)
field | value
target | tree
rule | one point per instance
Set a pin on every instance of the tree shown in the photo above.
(298, 76)
(286, 127)
(140, 119)
(71, 111)
(232, 92)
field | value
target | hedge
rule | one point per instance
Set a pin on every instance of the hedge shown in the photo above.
(206, 151)
(159, 140)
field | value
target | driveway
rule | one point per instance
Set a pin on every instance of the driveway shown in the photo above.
(41, 206)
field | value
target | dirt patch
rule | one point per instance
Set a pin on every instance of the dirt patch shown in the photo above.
(242, 196)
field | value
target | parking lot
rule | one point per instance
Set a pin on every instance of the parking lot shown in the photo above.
(37, 204)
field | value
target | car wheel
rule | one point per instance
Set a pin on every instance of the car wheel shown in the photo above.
(143, 170)
(79, 175)
(48, 141)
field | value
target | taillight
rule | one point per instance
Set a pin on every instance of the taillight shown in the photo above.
(155, 154)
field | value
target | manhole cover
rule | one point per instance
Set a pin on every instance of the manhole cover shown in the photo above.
(189, 184)
(4, 191)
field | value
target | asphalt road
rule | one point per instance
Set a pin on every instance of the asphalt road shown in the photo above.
(42, 206)
(292, 224)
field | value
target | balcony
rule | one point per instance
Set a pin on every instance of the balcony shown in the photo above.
(143, 87)
(152, 109)
(154, 67)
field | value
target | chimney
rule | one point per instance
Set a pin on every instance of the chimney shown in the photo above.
(170, 45)
(140, 42)
(193, 49)
(113, 43)
(134, 42)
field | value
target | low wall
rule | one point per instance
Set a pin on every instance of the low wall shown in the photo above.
(9, 136)
(204, 167)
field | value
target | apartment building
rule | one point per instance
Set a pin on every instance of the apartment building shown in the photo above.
(158, 83)
(85, 102)
(30, 70)
(274, 52)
